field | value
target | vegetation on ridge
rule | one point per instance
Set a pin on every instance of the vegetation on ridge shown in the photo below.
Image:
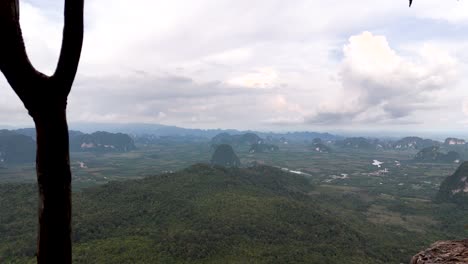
(212, 215)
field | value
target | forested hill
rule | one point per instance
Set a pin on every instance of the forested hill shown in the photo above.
(433, 154)
(101, 142)
(455, 187)
(206, 215)
(16, 148)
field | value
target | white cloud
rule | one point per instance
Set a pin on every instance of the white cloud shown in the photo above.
(380, 85)
(248, 64)
(42, 36)
(233, 56)
(260, 78)
(465, 106)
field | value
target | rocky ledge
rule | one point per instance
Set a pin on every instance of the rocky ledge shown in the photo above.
(443, 252)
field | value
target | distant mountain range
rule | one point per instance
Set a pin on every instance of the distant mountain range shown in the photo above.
(98, 141)
(325, 144)
(122, 138)
(150, 133)
(101, 142)
(414, 143)
(19, 146)
(159, 130)
(406, 143)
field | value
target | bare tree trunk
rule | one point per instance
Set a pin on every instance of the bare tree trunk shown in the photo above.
(46, 99)
(54, 182)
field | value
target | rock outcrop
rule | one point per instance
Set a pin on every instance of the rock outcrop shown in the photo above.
(319, 146)
(454, 141)
(414, 143)
(443, 252)
(225, 156)
(455, 187)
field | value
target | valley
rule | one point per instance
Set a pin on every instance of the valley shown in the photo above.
(402, 177)
(158, 203)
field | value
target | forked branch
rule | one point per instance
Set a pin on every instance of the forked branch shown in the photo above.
(15, 64)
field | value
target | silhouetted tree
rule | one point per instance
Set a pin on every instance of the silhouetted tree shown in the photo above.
(45, 98)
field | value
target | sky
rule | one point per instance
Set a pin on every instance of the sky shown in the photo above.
(263, 65)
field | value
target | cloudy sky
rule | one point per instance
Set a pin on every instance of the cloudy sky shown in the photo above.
(260, 64)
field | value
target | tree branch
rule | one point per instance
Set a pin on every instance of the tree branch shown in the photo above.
(72, 43)
(14, 62)
(28, 83)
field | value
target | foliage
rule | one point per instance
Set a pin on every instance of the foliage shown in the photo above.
(260, 214)
(209, 215)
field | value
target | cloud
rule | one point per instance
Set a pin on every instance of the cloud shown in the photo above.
(42, 34)
(157, 98)
(260, 78)
(250, 65)
(380, 85)
(465, 106)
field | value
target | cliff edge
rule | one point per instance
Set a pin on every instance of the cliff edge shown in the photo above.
(443, 252)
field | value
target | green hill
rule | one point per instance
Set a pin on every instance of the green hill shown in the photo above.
(101, 142)
(433, 154)
(414, 143)
(205, 215)
(16, 148)
(318, 146)
(225, 156)
(455, 187)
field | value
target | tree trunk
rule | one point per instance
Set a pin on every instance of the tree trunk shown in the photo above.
(46, 98)
(54, 182)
